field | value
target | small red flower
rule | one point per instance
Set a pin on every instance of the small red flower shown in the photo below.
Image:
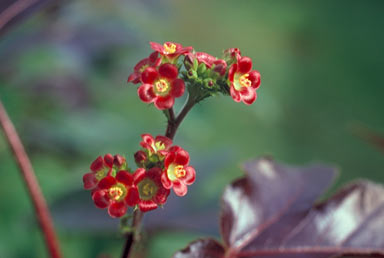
(151, 191)
(161, 86)
(160, 145)
(116, 194)
(244, 81)
(152, 61)
(170, 50)
(177, 174)
(140, 158)
(101, 167)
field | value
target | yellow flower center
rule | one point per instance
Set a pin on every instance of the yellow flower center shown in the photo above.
(117, 192)
(169, 48)
(244, 81)
(161, 86)
(147, 189)
(175, 172)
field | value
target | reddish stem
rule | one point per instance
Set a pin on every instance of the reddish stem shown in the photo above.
(41, 209)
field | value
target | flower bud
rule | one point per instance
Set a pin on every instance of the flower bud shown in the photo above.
(231, 55)
(140, 157)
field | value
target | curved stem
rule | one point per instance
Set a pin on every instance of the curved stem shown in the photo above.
(173, 125)
(41, 209)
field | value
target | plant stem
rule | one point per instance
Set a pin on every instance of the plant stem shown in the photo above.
(40, 205)
(173, 125)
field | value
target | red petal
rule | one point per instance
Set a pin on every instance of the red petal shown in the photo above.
(149, 75)
(132, 197)
(235, 94)
(175, 148)
(124, 177)
(153, 57)
(134, 78)
(118, 160)
(161, 195)
(146, 94)
(140, 64)
(138, 175)
(108, 159)
(148, 139)
(165, 102)
(245, 65)
(117, 209)
(231, 72)
(254, 77)
(189, 176)
(178, 88)
(179, 188)
(248, 95)
(147, 205)
(89, 181)
(169, 159)
(182, 157)
(156, 46)
(107, 182)
(167, 184)
(165, 140)
(100, 199)
(168, 71)
(97, 164)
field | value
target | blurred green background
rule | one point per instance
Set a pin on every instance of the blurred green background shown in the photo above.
(63, 81)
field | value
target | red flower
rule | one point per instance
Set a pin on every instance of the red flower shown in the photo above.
(177, 174)
(151, 191)
(170, 50)
(101, 167)
(244, 81)
(152, 61)
(161, 87)
(160, 145)
(116, 194)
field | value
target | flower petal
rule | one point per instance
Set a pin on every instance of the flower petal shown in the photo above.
(167, 184)
(149, 75)
(248, 95)
(100, 198)
(134, 77)
(245, 65)
(117, 209)
(146, 94)
(148, 139)
(165, 140)
(178, 88)
(156, 46)
(235, 94)
(124, 177)
(90, 181)
(108, 159)
(254, 77)
(169, 159)
(97, 164)
(107, 182)
(165, 102)
(138, 175)
(132, 197)
(161, 195)
(147, 205)
(179, 188)
(182, 157)
(231, 72)
(168, 71)
(190, 175)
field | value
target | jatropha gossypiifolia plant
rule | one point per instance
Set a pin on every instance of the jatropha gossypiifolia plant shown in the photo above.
(166, 74)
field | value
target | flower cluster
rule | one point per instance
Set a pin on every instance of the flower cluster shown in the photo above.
(164, 75)
(162, 167)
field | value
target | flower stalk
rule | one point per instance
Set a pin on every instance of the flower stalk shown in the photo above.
(26, 169)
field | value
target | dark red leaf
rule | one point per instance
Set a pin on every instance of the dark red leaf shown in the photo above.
(202, 248)
(271, 213)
